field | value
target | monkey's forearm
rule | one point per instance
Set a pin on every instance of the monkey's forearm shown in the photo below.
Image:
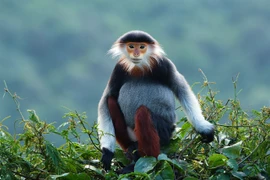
(192, 109)
(105, 125)
(106, 132)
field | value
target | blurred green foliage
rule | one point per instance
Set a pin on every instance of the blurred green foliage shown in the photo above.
(54, 53)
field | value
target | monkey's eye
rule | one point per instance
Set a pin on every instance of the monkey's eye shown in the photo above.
(142, 46)
(131, 46)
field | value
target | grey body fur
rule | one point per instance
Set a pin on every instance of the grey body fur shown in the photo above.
(158, 98)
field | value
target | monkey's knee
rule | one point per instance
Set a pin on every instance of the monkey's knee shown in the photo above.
(146, 133)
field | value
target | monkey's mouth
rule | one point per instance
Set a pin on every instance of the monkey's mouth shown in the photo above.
(136, 60)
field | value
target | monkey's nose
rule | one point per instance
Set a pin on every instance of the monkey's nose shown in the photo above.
(136, 54)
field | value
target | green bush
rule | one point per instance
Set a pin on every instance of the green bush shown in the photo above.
(241, 149)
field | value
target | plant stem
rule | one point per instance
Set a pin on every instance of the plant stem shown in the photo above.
(14, 97)
(250, 153)
(229, 126)
(89, 134)
(187, 146)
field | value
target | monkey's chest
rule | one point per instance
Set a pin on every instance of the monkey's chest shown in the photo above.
(158, 98)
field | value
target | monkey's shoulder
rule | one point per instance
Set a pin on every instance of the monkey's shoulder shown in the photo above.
(163, 68)
(160, 74)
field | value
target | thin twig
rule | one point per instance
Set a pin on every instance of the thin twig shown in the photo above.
(89, 134)
(250, 153)
(215, 112)
(233, 126)
(187, 146)
(208, 85)
(14, 97)
(22, 175)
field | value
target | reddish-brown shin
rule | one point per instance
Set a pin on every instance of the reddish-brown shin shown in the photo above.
(119, 124)
(148, 139)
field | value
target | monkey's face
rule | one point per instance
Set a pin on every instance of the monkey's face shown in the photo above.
(138, 56)
(137, 51)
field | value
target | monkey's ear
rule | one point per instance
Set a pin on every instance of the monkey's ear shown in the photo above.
(106, 159)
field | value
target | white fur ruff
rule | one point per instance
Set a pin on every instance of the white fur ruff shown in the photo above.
(119, 51)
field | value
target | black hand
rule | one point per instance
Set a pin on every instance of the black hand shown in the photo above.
(106, 159)
(208, 137)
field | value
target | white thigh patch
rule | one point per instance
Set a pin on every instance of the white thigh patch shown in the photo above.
(131, 134)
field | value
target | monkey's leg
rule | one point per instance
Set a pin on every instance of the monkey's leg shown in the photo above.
(146, 133)
(119, 124)
(147, 136)
(165, 128)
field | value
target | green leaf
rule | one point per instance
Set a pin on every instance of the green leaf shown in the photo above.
(70, 165)
(250, 170)
(223, 177)
(181, 165)
(255, 112)
(53, 153)
(239, 175)
(217, 160)
(77, 176)
(172, 147)
(93, 168)
(145, 164)
(185, 128)
(158, 177)
(221, 137)
(166, 171)
(163, 157)
(54, 177)
(33, 116)
(232, 151)
(190, 178)
(119, 155)
(232, 164)
(262, 150)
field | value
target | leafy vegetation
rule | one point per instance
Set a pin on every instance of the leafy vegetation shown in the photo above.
(241, 149)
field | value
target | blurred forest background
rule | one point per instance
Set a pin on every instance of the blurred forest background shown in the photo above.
(53, 54)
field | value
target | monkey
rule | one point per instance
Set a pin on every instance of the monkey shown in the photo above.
(137, 107)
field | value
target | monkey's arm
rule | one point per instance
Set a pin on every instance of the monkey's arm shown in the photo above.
(106, 131)
(105, 124)
(191, 105)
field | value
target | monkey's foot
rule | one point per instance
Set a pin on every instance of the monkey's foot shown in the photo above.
(126, 170)
(132, 152)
